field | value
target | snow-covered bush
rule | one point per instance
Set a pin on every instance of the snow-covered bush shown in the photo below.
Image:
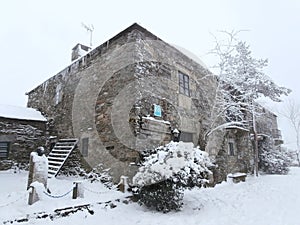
(163, 196)
(163, 175)
(273, 161)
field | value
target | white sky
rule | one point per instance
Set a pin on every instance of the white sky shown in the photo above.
(36, 37)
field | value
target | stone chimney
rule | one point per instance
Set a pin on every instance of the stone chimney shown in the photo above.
(78, 51)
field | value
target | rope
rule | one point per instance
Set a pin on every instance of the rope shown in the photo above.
(95, 192)
(57, 196)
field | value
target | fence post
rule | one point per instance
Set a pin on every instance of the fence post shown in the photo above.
(123, 185)
(78, 190)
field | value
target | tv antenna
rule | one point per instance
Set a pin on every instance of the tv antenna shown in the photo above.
(90, 29)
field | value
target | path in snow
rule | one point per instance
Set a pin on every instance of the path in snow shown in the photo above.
(266, 200)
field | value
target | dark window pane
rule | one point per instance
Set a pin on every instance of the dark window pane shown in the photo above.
(181, 90)
(4, 147)
(186, 92)
(186, 78)
(231, 148)
(181, 83)
(181, 76)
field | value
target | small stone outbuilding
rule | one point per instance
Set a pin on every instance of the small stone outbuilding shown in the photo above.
(22, 130)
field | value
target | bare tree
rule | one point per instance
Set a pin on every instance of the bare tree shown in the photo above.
(292, 113)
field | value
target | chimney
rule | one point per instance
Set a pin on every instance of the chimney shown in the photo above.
(79, 50)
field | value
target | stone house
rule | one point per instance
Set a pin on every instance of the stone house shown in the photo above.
(22, 130)
(129, 95)
(267, 127)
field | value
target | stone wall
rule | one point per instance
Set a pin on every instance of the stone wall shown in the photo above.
(24, 136)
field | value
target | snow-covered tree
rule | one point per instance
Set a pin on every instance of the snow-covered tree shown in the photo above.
(241, 82)
(165, 173)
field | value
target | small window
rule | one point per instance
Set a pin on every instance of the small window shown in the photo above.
(231, 148)
(157, 110)
(84, 147)
(184, 84)
(4, 148)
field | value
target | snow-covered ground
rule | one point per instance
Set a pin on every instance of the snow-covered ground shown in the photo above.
(266, 200)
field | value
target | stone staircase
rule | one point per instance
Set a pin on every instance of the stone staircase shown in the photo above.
(59, 155)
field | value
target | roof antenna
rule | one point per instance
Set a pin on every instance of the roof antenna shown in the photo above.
(90, 29)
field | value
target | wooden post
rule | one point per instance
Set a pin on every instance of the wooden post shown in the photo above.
(123, 185)
(30, 172)
(78, 190)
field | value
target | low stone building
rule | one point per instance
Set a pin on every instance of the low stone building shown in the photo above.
(129, 95)
(22, 130)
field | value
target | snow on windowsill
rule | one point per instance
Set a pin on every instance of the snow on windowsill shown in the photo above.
(156, 120)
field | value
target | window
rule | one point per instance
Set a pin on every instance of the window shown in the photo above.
(85, 147)
(157, 110)
(4, 147)
(231, 147)
(184, 84)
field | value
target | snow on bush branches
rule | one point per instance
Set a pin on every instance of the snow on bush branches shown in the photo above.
(175, 161)
(167, 171)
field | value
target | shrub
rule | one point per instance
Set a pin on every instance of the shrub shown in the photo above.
(163, 196)
(165, 173)
(273, 160)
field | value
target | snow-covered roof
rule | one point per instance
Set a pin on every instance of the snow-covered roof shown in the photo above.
(21, 113)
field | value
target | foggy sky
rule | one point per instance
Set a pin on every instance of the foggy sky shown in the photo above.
(36, 37)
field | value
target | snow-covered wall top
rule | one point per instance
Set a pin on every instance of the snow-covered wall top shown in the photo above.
(22, 113)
